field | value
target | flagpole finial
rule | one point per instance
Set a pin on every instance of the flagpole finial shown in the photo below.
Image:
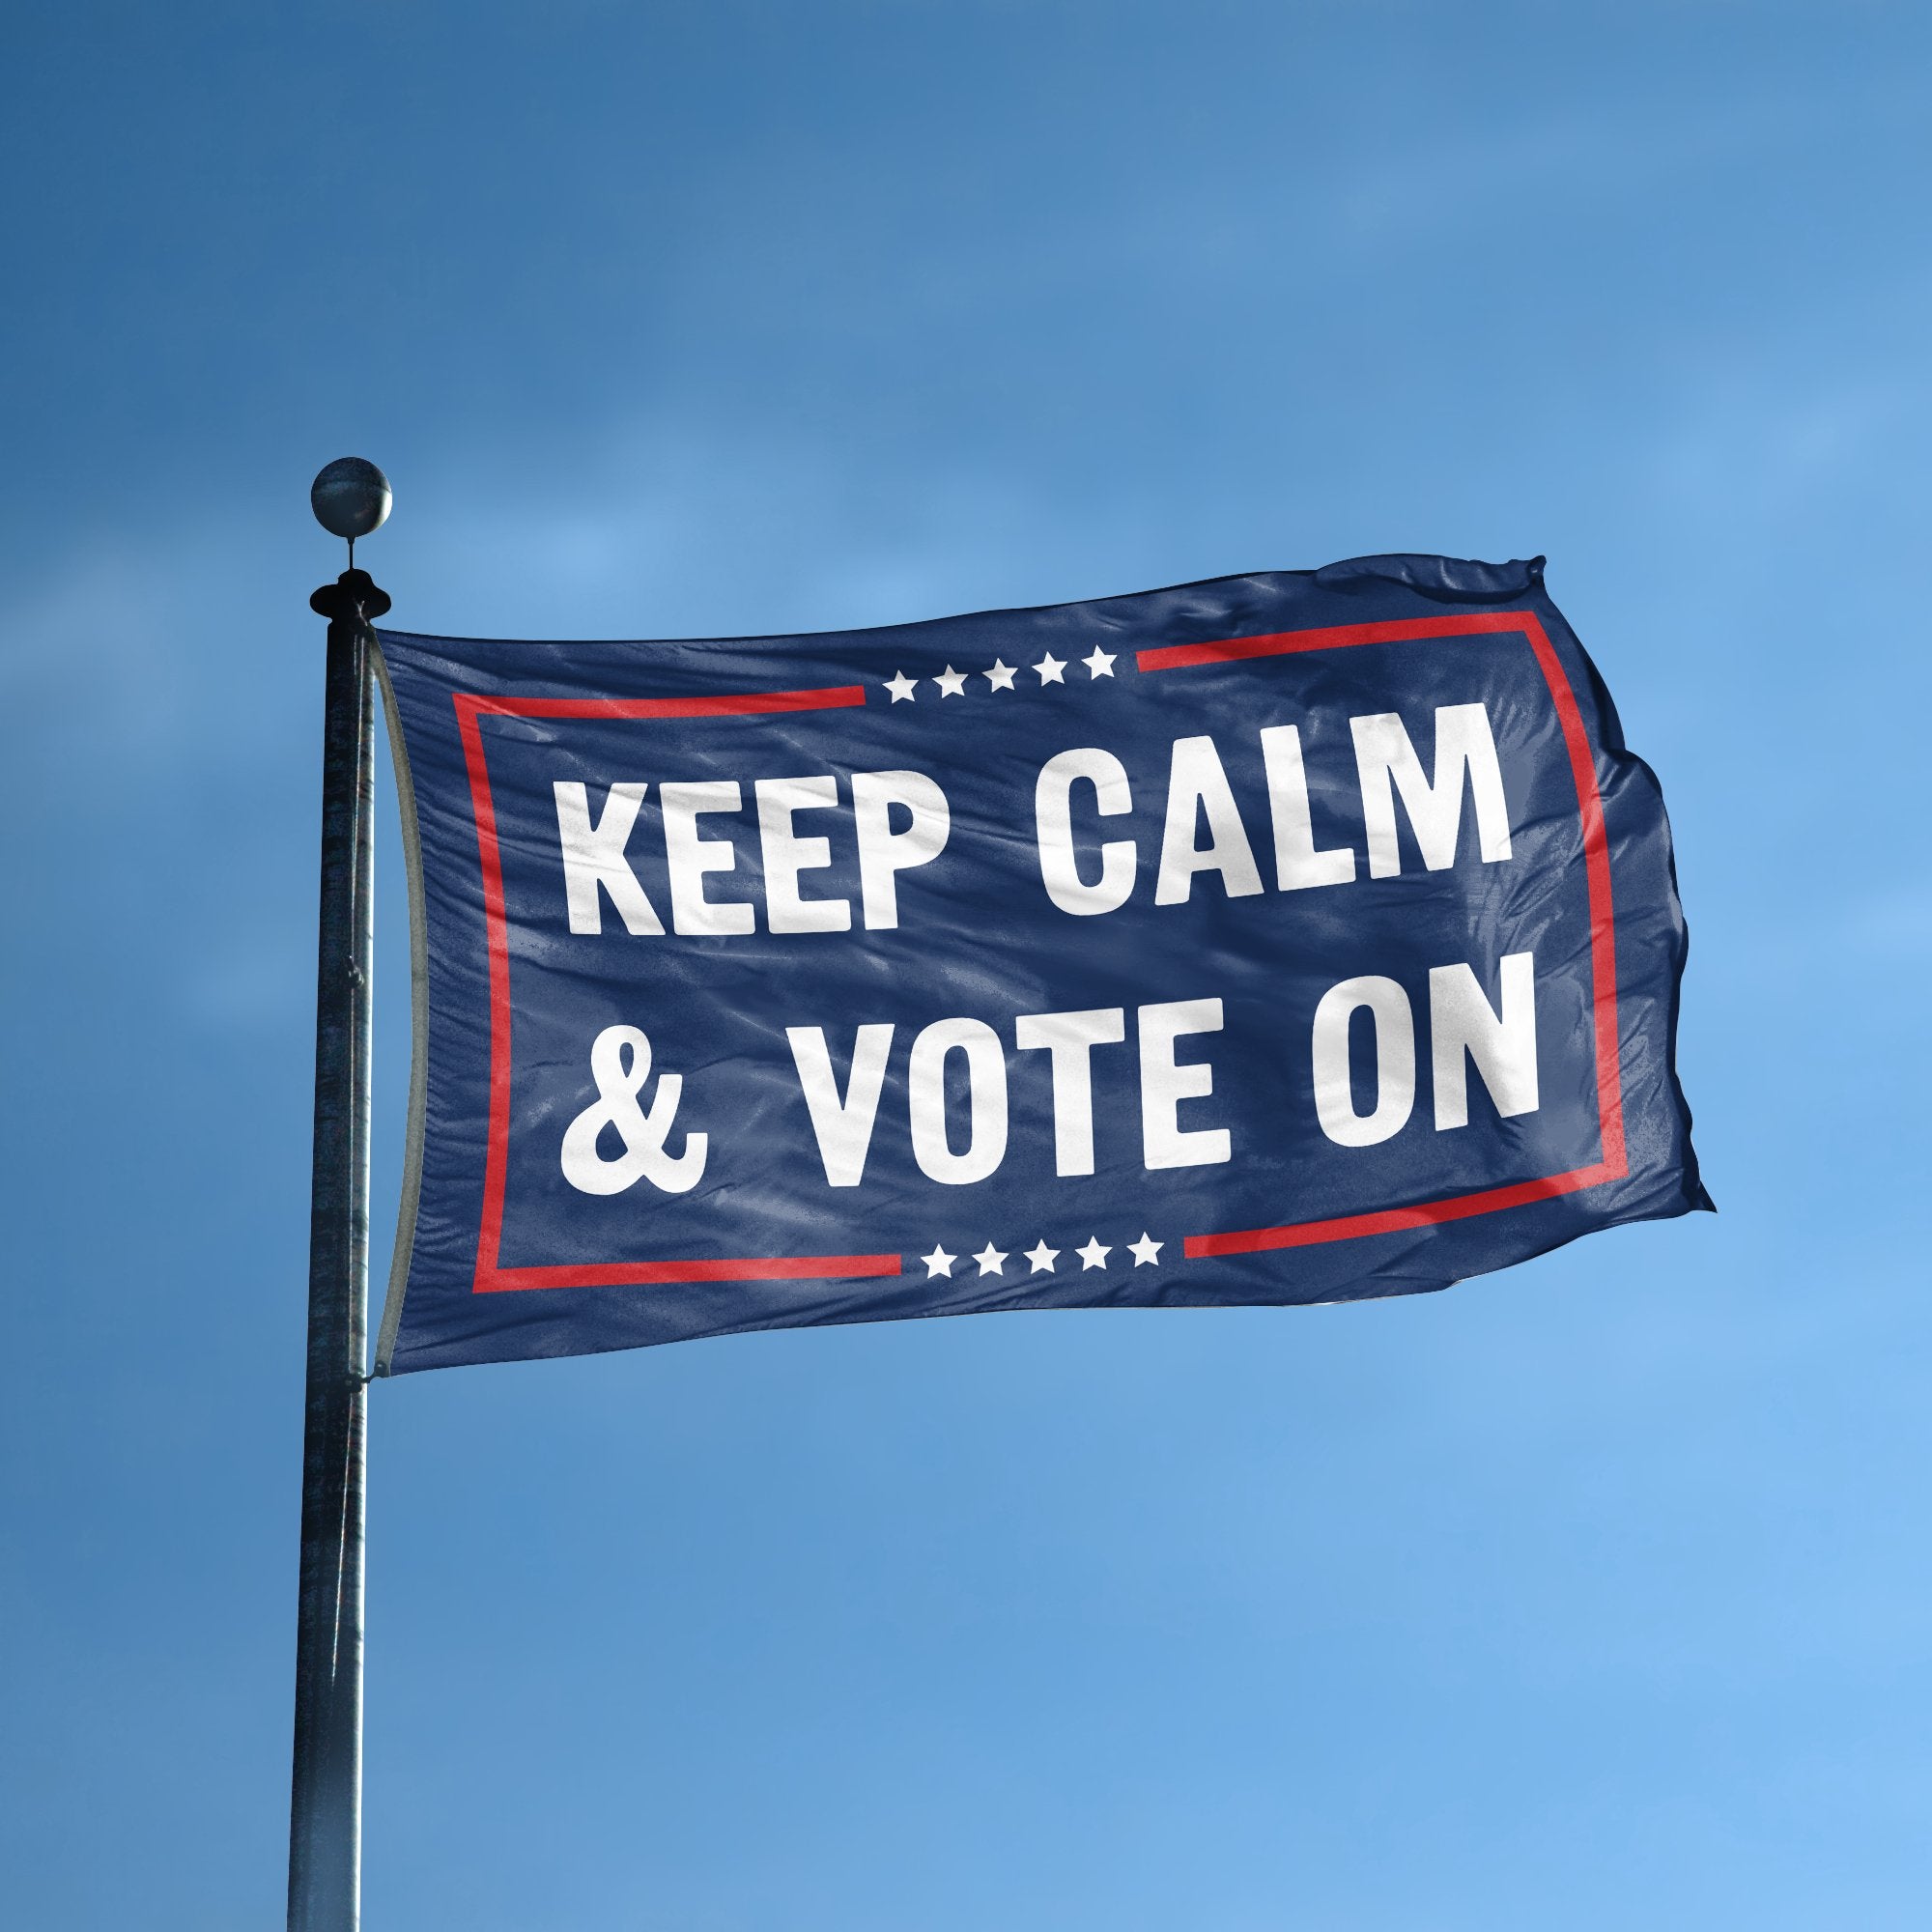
(350, 497)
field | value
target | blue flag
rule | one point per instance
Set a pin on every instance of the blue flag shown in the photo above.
(1299, 937)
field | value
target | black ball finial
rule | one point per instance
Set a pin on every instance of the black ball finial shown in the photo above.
(351, 498)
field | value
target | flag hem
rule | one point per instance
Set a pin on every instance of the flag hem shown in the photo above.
(412, 1133)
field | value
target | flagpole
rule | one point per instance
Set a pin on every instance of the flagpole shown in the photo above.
(351, 498)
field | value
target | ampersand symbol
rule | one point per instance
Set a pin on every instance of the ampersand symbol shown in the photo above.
(618, 1085)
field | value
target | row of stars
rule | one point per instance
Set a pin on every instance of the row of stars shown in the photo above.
(992, 1261)
(952, 683)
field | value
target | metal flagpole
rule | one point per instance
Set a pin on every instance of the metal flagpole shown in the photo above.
(351, 498)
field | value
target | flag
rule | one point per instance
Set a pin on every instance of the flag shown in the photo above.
(1298, 937)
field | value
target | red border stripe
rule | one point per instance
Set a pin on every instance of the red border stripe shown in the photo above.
(1336, 637)
(729, 704)
(639, 1274)
(1393, 1220)
(496, 924)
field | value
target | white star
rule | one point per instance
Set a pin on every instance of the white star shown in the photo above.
(1092, 1255)
(1049, 668)
(1043, 1258)
(952, 683)
(991, 1260)
(1145, 1250)
(900, 686)
(938, 1261)
(1100, 663)
(1001, 677)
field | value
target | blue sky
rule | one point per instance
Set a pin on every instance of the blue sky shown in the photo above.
(1591, 1595)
